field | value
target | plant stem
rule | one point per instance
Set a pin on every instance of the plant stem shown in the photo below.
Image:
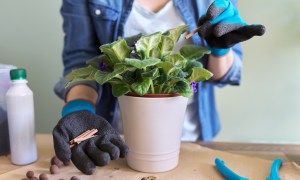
(166, 90)
(119, 76)
(147, 55)
(169, 89)
(152, 87)
(161, 89)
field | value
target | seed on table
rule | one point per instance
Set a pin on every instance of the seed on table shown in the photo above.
(34, 178)
(54, 169)
(151, 178)
(29, 174)
(74, 178)
(56, 161)
(43, 176)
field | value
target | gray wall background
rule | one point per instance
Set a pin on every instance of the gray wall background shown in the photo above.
(265, 108)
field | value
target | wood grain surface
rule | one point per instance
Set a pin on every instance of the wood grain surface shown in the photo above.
(196, 162)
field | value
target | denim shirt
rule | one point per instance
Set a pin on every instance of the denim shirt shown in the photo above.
(92, 23)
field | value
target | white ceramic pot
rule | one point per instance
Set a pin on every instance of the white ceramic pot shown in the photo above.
(152, 131)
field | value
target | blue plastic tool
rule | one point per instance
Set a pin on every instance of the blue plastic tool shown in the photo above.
(226, 172)
(275, 170)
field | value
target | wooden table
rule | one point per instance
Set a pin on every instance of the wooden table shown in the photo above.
(266, 151)
(288, 152)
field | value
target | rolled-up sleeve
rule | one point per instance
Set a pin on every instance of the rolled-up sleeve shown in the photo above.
(80, 41)
(61, 90)
(234, 74)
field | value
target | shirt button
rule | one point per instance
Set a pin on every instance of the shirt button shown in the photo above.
(97, 12)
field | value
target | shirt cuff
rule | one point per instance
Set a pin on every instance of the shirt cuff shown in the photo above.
(61, 91)
(233, 76)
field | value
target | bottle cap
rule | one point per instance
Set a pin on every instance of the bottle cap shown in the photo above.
(18, 74)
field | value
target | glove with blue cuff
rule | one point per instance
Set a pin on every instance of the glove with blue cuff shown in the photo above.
(79, 116)
(222, 27)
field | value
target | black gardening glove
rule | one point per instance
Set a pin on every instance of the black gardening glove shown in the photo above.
(222, 27)
(97, 151)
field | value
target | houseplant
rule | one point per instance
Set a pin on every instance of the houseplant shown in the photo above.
(152, 84)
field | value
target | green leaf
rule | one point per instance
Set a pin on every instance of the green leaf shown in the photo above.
(140, 64)
(120, 89)
(116, 51)
(178, 60)
(162, 79)
(174, 80)
(199, 74)
(155, 53)
(191, 64)
(115, 81)
(166, 46)
(124, 65)
(175, 33)
(102, 77)
(184, 88)
(80, 73)
(193, 52)
(153, 74)
(129, 77)
(138, 75)
(166, 66)
(132, 39)
(90, 77)
(181, 86)
(143, 87)
(95, 61)
(180, 73)
(146, 43)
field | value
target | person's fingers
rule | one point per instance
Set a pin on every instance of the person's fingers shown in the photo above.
(99, 157)
(221, 29)
(242, 34)
(254, 30)
(121, 145)
(202, 20)
(228, 13)
(205, 30)
(61, 144)
(82, 161)
(111, 149)
(216, 8)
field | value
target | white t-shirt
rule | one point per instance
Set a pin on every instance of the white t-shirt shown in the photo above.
(146, 22)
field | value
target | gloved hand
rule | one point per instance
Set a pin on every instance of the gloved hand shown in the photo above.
(222, 27)
(96, 151)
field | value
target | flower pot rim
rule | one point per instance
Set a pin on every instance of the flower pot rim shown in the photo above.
(152, 95)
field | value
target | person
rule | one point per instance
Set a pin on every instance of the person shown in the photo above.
(90, 24)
